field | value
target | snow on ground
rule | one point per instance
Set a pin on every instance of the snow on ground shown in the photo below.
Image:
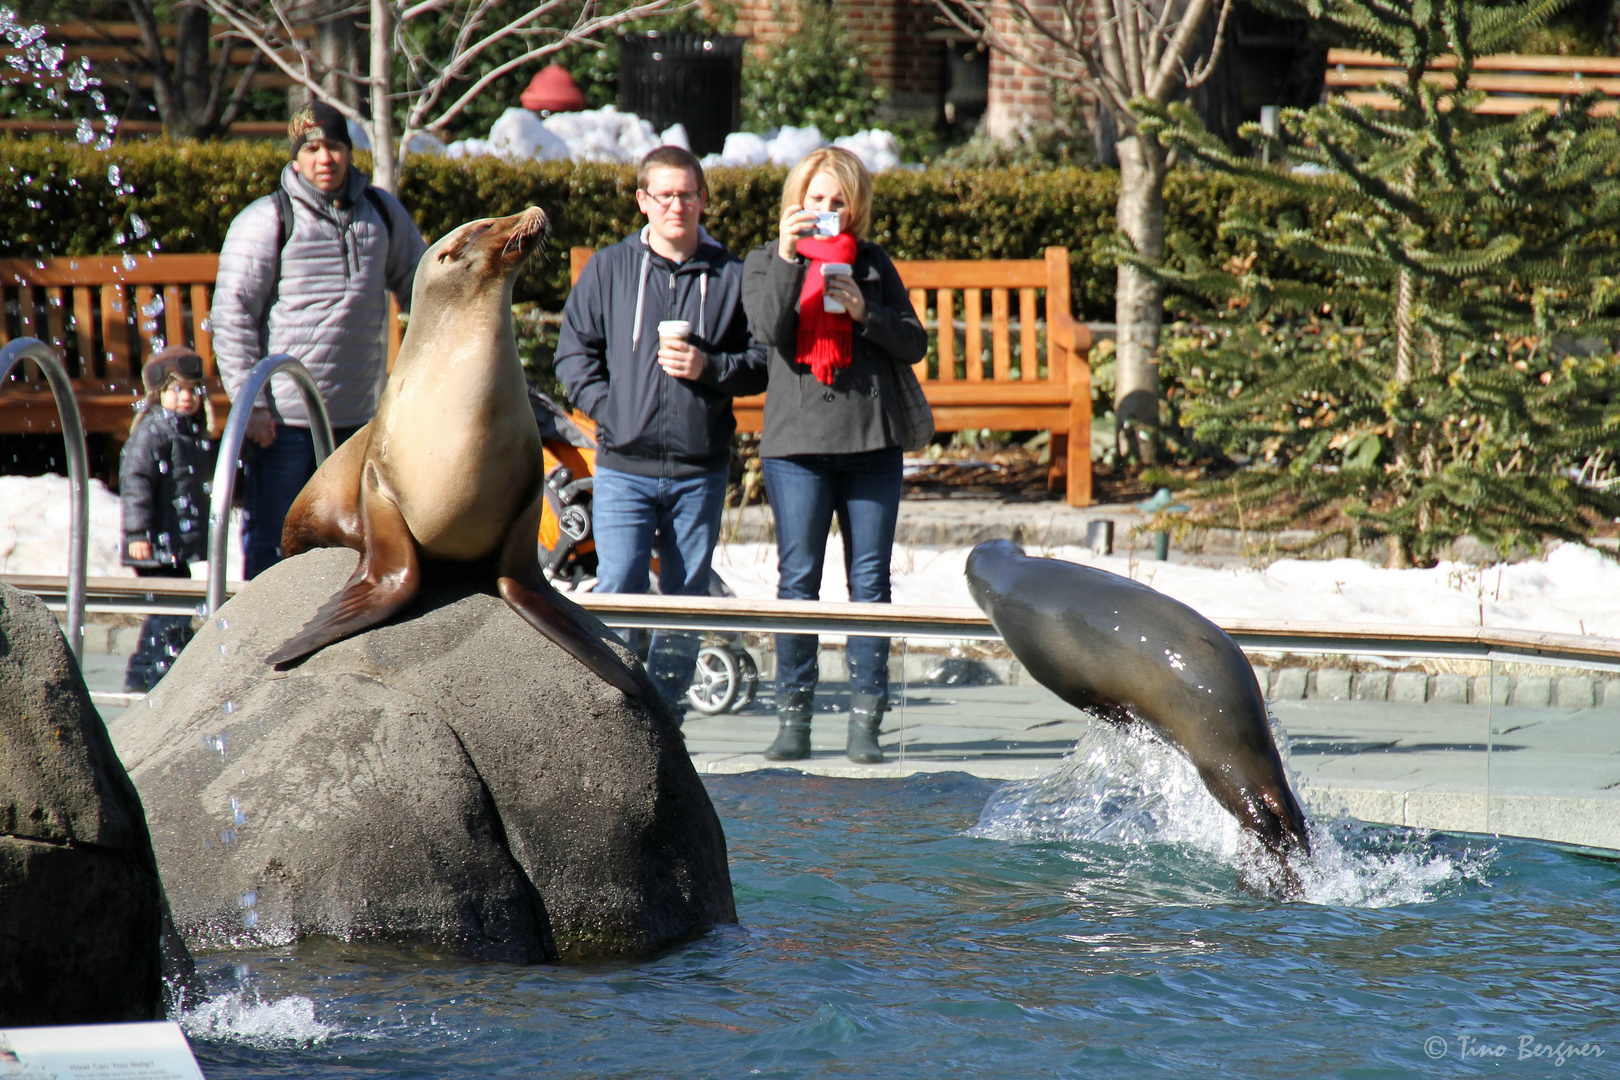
(607, 134)
(1573, 590)
(34, 530)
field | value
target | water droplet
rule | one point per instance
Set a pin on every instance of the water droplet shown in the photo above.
(114, 177)
(248, 899)
(129, 264)
(222, 624)
(153, 309)
(227, 836)
(230, 707)
(250, 918)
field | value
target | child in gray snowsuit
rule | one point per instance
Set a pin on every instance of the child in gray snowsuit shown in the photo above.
(163, 481)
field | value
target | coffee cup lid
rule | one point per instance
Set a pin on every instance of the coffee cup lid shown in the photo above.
(674, 326)
(835, 268)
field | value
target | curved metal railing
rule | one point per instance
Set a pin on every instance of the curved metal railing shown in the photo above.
(230, 450)
(67, 407)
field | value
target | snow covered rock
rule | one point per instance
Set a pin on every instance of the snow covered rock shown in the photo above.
(877, 149)
(520, 134)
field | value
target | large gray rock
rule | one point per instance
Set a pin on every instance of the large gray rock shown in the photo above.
(81, 906)
(450, 779)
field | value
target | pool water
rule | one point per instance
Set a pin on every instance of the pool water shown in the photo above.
(1096, 923)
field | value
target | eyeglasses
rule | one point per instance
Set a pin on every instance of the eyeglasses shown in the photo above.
(687, 198)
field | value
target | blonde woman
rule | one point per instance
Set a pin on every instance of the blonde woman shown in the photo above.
(831, 309)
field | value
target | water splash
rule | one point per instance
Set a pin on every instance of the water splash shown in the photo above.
(243, 1017)
(1123, 787)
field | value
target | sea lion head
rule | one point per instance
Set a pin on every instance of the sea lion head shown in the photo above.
(468, 260)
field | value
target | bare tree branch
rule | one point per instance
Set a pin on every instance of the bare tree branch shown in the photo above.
(1180, 47)
(1201, 73)
(582, 31)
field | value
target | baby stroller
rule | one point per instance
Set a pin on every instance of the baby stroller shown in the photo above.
(726, 679)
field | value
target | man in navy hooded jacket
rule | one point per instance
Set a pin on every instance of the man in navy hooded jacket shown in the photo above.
(662, 410)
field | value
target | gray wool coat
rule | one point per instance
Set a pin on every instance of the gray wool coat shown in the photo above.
(860, 411)
(328, 305)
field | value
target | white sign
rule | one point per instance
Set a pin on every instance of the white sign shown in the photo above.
(97, 1052)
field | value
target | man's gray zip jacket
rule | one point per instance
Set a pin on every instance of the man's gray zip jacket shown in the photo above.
(327, 307)
(647, 422)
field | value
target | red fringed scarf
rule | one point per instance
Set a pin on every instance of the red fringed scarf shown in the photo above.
(824, 337)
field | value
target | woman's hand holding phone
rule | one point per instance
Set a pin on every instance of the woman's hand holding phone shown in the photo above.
(797, 223)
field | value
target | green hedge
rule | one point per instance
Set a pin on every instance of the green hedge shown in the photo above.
(61, 202)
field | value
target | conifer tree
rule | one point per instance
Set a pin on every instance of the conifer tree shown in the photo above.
(1442, 363)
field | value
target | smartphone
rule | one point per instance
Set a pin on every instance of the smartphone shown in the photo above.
(826, 223)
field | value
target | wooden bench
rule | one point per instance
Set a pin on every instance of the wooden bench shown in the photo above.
(1512, 84)
(102, 315)
(1032, 374)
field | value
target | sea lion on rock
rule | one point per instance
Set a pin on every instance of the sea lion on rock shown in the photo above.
(450, 467)
(1122, 651)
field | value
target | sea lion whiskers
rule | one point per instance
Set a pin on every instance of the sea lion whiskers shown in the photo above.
(533, 225)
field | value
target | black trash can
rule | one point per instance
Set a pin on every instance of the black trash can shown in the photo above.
(686, 78)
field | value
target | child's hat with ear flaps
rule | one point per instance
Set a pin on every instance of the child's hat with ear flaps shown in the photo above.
(175, 360)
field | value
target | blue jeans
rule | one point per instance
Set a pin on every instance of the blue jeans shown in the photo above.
(805, 491)
(680, 516)
(272, 477)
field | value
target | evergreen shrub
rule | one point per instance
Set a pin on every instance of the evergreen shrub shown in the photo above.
(59, 200)
(1448, 366)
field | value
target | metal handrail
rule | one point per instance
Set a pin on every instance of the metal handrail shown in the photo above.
(67, 407)
(230, 451)
(941, 623)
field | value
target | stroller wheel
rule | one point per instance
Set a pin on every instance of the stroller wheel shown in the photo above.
(749, 681)
(717, 682)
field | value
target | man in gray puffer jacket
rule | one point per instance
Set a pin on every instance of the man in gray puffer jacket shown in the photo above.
(315, 287)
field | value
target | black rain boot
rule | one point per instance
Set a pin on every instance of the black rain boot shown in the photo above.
(865, 717)
(793, 709)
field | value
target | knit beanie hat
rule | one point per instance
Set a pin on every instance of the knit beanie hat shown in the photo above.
(175, 360)
(317, 121)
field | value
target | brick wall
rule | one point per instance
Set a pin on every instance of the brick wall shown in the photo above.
(1020, 95)
(904, 62)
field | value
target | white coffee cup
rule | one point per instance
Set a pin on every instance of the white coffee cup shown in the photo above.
(673, 331)
(828, 270)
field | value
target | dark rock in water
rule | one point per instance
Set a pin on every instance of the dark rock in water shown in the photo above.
(450, 779)
(81, 906)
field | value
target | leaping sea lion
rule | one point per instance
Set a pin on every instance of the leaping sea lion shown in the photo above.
(450, 467)
(1122, 651)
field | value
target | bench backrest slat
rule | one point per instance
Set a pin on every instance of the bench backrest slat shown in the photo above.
(114, 336)
(84, 324)
(202, 335)
(1510, 81)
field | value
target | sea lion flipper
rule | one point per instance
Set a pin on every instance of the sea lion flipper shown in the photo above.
(386, 579)
(327, 511)
(524, 587)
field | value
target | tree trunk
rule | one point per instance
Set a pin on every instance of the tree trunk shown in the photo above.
(1139, 299)
(384, 168)
(165, 95)
(194, 74)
